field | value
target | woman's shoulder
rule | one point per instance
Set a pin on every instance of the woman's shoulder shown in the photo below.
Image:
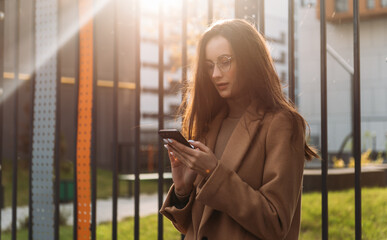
(282, 114)
(284, 118)
(269, 114)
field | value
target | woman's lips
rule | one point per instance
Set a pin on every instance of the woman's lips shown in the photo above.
(221, 86)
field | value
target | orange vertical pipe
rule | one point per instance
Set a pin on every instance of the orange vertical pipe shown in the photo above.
(85, 100)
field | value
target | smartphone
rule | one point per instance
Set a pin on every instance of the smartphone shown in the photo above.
(175, 135)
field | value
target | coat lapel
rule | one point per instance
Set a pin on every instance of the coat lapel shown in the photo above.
(236, 147)
(241, 138)
(211, 136)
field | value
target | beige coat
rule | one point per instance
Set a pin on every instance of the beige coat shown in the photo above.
(255, 191)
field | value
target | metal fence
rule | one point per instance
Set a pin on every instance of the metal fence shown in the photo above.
(43, 199)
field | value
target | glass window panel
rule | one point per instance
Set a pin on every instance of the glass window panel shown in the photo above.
(370, 4)
(308, 3)
(341, 5)
(384, 3)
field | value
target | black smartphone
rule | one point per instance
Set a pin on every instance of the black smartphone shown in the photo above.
(175, 135)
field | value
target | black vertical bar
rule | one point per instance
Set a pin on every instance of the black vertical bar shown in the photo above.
(291, 52)
(356, 118)
(210, 11)
(184, 64)
(184, 58)
(93, 157)
(161, 118)
(76, 91)
(261, 17)
(324, 127)
(115, 121)
(2, 16)
(137, 124)
(57, 128)
(33, 76)
(16, 120)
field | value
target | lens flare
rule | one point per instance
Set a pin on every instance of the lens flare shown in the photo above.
(52, 49)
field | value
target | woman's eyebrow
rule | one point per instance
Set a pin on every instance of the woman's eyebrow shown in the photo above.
(222, 55)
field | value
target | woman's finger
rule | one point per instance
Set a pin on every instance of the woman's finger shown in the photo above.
(199, 145)
(180, 157)
(182, 148)
(171, 158)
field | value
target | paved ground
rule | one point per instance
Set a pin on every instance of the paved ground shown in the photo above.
(148, 205)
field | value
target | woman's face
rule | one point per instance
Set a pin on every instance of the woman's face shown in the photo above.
(221, 66)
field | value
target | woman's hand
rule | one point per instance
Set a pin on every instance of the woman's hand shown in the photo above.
(182, 176)
(201, 159)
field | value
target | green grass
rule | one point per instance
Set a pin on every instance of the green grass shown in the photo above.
(148, 230)
(22, 182)
(341, 214)
(341, 219)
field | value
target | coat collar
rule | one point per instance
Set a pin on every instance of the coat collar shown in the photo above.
(237, 145)
(240, 138)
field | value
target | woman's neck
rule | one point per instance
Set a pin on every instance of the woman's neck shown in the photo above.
(236, 107)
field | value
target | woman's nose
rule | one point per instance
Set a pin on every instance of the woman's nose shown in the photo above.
(217, 73)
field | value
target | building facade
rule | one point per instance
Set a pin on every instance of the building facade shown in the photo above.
(373, 72)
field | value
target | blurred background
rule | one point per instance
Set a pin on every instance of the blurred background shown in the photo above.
(115, 53)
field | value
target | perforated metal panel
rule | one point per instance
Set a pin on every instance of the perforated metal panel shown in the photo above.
(44, 122)
(85, 100)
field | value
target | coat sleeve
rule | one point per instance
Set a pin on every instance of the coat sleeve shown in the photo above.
(266, 212)
(181, 218)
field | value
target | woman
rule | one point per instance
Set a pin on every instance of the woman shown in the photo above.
(243, 179)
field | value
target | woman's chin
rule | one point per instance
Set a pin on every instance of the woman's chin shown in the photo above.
(224, 94)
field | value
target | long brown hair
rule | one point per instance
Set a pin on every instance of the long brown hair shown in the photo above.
(255, 72)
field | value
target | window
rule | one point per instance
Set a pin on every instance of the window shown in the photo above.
(341, 5)
(308, 3)
(384, 3)
(314, 140)
(370, 4)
